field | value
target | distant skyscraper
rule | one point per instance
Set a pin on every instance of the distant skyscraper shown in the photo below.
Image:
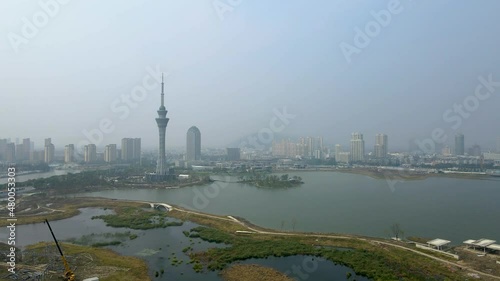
(459, 144)
(69, 153)
(162, 121)
(48, 151)
(193, 144)
(498, 144)
(338, 149)
(381, 143)
(475, 150)
(3, 147)
(20, 152)
(127, 149)
(446, 151)
(136, 154)
(131, 149)
(10, 152)
(110, 153)
(357, 147)
(233, 154)
(26, 149)
(340, 156)
(37, 156)
(90, 153)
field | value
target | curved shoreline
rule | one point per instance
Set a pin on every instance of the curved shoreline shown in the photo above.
(392, 174)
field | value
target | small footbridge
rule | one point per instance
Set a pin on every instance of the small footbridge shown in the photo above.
(159, 206)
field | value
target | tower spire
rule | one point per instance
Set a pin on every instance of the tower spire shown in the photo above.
(162, 93)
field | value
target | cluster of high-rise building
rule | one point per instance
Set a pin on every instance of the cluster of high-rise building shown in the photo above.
(129, 152)
(314, 148)
(24, 152)
(357, 149)
(309, 147)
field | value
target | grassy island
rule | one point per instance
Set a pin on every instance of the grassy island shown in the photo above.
(249, 272)
(272, 180)
(136, 218)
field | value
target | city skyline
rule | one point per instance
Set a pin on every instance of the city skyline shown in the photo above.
(370, 94)
(19, 147)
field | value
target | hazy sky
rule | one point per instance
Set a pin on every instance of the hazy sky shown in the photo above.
(228, 70)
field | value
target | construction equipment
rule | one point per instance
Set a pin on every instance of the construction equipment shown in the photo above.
(68, 273)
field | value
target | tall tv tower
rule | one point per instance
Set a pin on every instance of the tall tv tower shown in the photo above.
(162, 121)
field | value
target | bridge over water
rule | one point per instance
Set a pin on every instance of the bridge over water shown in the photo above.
(159, 205)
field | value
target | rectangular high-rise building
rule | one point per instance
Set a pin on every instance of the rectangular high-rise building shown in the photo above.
(381, 143)
(110, 153)
(475, 150)
(338, 150)
(37, 156)
(131, 149)
(3, 147)
(90, 153)
(48, 151)
(126, 149)
(20, 152)
(459, 144)
(136, 154)
(26, 149)
(10, 152)
(69, 153)
(233, 154)
(357, 147)
(498, 145)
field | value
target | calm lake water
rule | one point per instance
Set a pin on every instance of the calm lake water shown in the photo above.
(448, 208)
(33, 176)
(159, 246)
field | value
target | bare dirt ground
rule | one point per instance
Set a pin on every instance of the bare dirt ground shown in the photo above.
(485, 263)
(252, 272)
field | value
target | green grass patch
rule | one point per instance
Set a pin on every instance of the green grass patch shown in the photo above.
(135, 218)
(374, 263)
